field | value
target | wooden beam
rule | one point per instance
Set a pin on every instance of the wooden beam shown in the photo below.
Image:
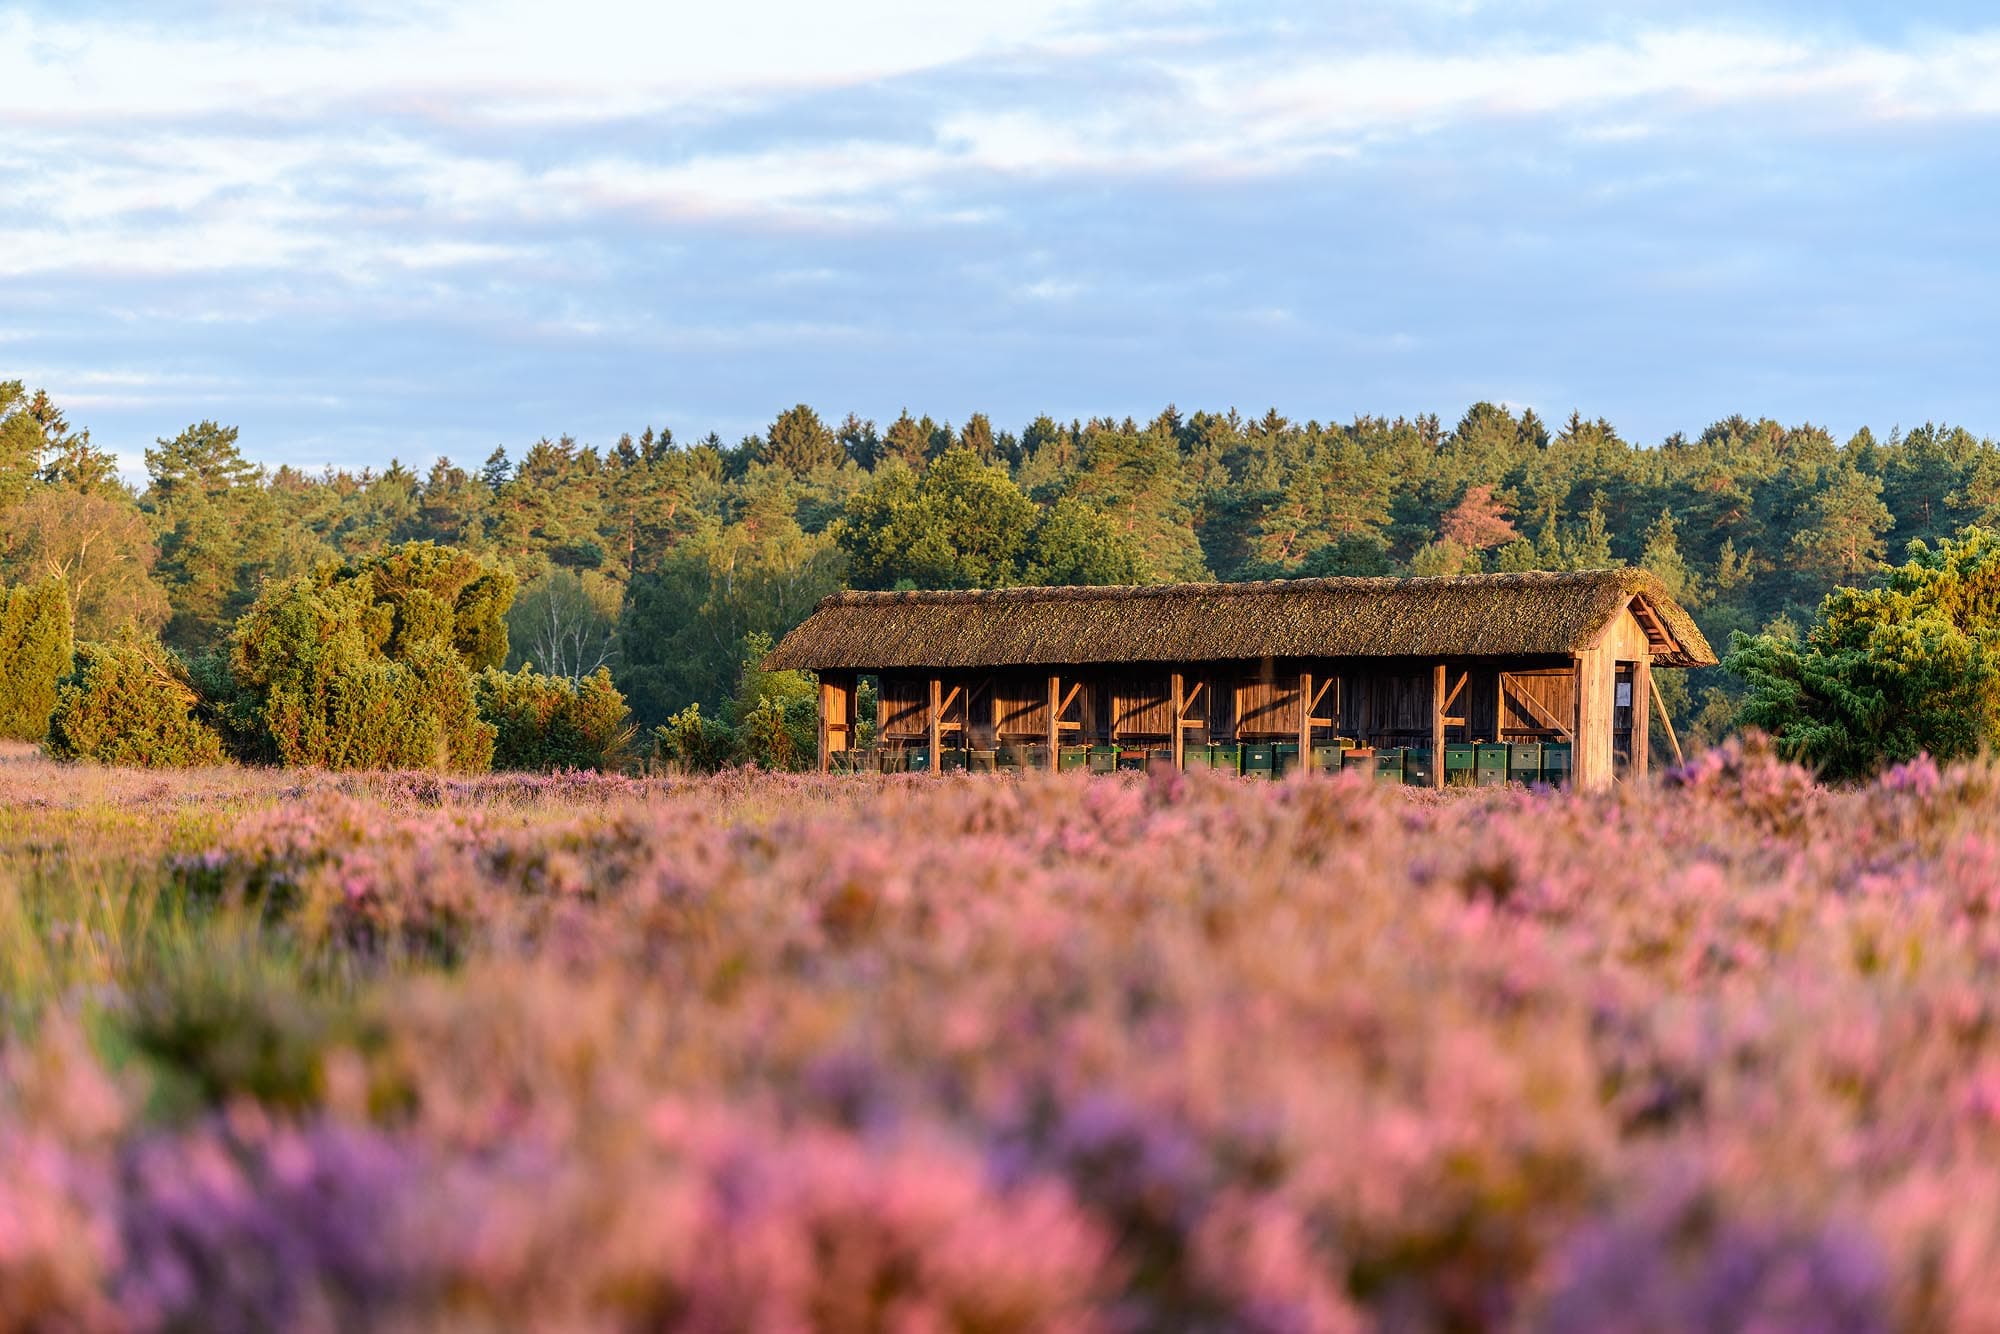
(1195, 694)
(1177, 687)
(1452, 698)
(1666, 718)
(1437, 727)
(937, 725)
(1306, 702)
(1642, 732)
(1320, 694)
(825, 736)
(1055, 709)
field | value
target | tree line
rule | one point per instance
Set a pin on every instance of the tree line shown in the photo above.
(665, 561)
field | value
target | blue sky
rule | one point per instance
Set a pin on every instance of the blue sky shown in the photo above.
(369, 230)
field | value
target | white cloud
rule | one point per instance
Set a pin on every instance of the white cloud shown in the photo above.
(402, 160)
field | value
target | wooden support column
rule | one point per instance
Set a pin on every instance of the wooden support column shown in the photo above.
(1306, 702)
(836, 718)
(1642, 732)
(1179, 689)
(1055, 708)
(825, 719)
(1437, 727)
(937, 725)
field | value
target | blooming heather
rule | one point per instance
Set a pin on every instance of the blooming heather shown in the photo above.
(999, 1053)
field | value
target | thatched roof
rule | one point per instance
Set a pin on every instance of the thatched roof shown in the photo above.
(1485, 615)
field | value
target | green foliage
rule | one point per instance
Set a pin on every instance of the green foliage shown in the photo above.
(564, 623)
(370, 666)
(775, 715)
(684, 626)
(694, 744)
(440, 591)
(682, 549)
(216, 526)
(1887, 673)
(131, 703)
(1075, 544)
(554, 722)
(961, 524)
(35, 654)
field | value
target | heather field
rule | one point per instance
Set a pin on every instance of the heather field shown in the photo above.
(778, 1053)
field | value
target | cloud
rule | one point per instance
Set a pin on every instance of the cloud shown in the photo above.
(742, 195)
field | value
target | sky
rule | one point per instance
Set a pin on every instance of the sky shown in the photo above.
(362, 231)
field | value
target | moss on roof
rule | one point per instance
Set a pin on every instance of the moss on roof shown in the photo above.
(1488, 615)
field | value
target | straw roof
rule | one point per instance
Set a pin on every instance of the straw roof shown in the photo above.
(1484, 615)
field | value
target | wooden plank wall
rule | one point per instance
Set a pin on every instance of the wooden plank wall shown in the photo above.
(1387, 708)
(1552, 691)
(1142, 706)
(1024, 707)
(905, 707)
(1267, 702)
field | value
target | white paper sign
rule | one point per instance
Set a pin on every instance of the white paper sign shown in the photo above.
(1624, 694)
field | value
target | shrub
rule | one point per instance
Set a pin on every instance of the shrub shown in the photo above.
(1887, 673)
(551, 722)
(35, 654)
(131, 704)
(367, 667)
(694, 744)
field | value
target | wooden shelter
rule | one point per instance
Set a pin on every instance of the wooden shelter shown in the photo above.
(1388, 662)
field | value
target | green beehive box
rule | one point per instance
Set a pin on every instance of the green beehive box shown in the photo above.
(1072, 758)
(1284, 758)
(985, 761)
(1389, 764)
(1360, 758)
(1326, 758)
(955, 760)
(1557, 763)
(1011, 757)
(1259, 757)
(917, 760)
(1524, 762)
(1489, 764)
(1038, 757)
(1226, 756)
(1417, 766)
(1458, 764)
(1197, 757)
(1103, 759)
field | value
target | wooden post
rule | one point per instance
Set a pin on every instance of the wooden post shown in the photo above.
(1055, 707)
(826, 697)
(1642, 733)
(937, 725)
(1305, 720)
(1666, 719)
(1437, 727)
(1178, 688)
(836, 716)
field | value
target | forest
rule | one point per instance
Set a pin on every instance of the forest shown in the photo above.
(658, 566)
